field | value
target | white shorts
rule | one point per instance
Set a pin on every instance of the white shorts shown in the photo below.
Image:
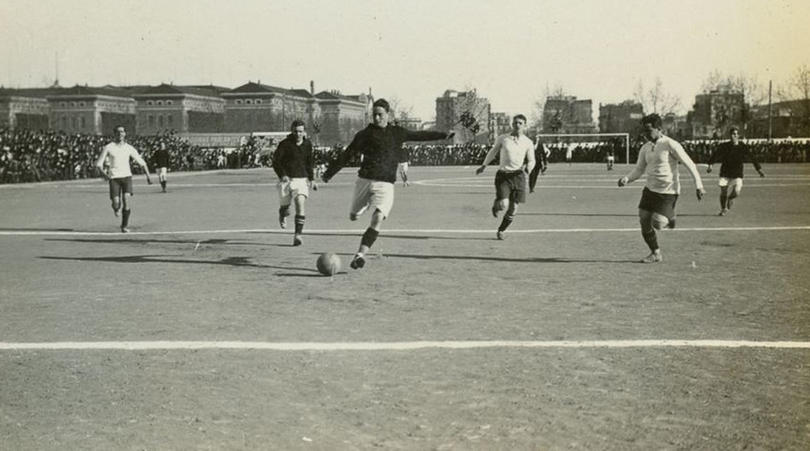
(162, 171)
(403, 167)
(735, 184)
(292, 189)
(372, 193)
(610, 159)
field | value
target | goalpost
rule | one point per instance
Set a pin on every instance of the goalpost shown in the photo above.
(626, 137)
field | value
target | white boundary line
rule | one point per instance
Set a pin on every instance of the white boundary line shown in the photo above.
(415, 232)
(394, 346)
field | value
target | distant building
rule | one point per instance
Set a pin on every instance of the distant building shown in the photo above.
(715, 112)
(24, 108)
(787, 119)
(566, 114)
(465, 112)
(330, 117)
(622, 117)
(677, 126)
(92, 110)
(341, 116)
(411, 123)
(182, 109)
(500, 124)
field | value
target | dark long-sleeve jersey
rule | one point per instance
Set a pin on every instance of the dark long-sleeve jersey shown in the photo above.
(292, 160)
(380, 147)
(731, 158)
(162, 158)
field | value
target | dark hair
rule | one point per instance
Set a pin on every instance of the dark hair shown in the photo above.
(117, 126)
(733, 129)
(383, 104)
(297, 123)
(652, 119)
(519, 116)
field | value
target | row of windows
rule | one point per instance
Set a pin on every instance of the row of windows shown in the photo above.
(248, 101)
(162, 120)
(159, 102)
(73, 104)
(75, 122)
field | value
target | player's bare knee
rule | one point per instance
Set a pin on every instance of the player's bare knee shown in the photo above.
(659, 221)
(503, 204)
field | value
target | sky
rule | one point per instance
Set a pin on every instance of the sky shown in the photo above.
(512, 52)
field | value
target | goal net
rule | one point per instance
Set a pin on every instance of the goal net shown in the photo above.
(597, 143)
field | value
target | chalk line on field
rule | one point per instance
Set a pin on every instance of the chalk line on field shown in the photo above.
(393, 346)
(23, 232)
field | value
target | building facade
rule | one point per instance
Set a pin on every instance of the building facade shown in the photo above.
(567, 114)
(500, 124)
(180, 109)
(331, 117)
(465, 112)
(715, 112)
(622, 117)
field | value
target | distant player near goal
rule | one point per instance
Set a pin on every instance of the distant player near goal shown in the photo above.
(658, 159)
(120, 177)
(611, 159)
(731, 155)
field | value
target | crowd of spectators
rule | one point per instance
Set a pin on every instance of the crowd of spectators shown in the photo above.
(32, 156)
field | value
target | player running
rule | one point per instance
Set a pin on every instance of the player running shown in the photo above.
(294, 165)
(658, 159)
(516, 159)
(541, 154)
(379, 145)
(120, 174)
(162, 164)
(731, 155)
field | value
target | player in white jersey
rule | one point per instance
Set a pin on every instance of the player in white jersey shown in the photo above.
(658, 159)
(117, 154)
(516, 160)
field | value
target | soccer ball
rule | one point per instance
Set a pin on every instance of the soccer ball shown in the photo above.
(328, 264)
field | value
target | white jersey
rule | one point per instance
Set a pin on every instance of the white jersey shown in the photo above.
(119, 155)
(514, 151)
(659, 161)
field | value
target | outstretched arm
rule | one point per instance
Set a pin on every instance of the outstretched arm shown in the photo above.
(337, 163)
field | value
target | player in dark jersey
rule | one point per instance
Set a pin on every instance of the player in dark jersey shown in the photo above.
(294, 165)
(541, 153)
(731, 155)
(162, 164)
(379, 145)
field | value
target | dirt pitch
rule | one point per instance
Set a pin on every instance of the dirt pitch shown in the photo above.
(207, 266)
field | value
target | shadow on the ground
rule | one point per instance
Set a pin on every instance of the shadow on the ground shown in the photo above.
(633, 215)
(230, 261)
(32, 229)
(493, 259)
(194, 242)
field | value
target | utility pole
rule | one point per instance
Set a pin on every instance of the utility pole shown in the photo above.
(770, 110)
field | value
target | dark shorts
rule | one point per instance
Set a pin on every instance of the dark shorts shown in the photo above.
(120, 186)
(511, 185)
(663, 204)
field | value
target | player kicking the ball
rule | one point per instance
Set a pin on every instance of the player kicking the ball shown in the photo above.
(510, 180)
(731, 155)
(295, 166)
(379, 144)
(120, 176)
(658, 159)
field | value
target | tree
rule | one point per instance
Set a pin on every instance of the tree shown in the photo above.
(656, 99)
(399, 109)
(537, 115)
(473, 114)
